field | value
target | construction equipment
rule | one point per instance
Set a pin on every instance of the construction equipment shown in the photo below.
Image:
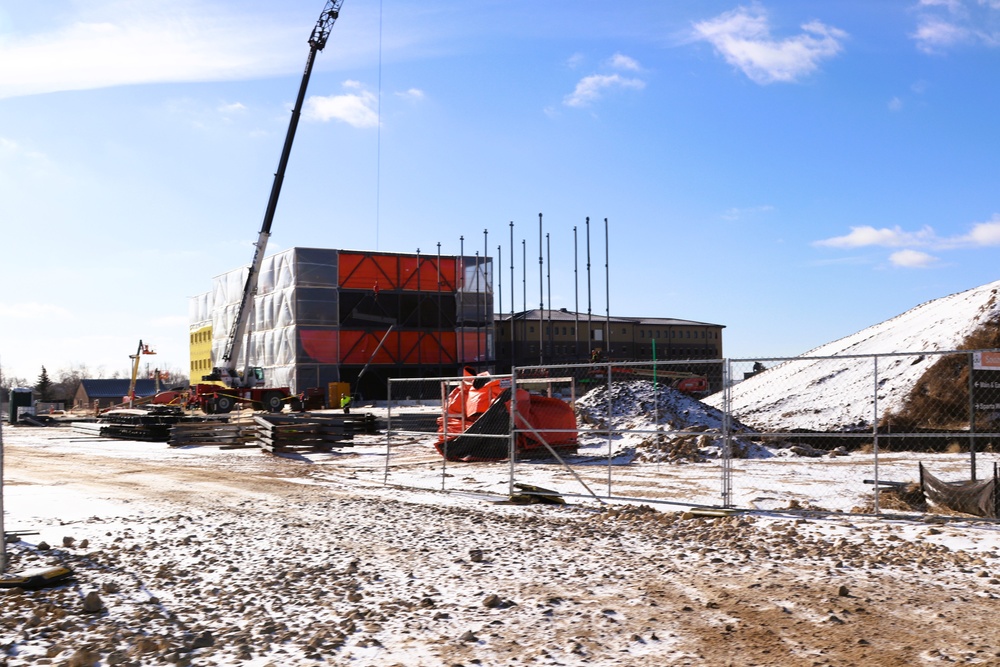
(247, 385)
(143, 349)
(684, 382)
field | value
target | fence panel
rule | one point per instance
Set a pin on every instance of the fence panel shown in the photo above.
(634, 438)
(858, 434)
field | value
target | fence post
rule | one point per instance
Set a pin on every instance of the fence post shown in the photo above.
(608, 424)
(875, 428)
(972, 420)
(511, 443)
(727, 435)
(388, 432)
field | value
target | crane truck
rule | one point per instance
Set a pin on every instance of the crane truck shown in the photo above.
(247, 385)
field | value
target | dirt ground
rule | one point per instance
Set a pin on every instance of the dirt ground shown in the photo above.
(251, 560)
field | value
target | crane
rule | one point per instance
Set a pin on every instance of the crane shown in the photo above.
(252, 378)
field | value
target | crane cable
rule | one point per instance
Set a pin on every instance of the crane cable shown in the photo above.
(378, 129)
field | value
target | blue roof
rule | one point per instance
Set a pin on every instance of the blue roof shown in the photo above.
(117, 388)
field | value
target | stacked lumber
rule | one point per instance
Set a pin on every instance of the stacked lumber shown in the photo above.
(217, 433)
(318, 433)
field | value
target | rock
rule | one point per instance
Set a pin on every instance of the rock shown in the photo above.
(84, 544)
(468, 636)
(204, 640)
(68, 541)
(843, 592)
(92, 603)
(476, 555)
(43, 546)
(83, 658)
(492, 601)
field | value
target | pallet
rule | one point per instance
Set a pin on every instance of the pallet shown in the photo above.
(211, 433)
(294, 433)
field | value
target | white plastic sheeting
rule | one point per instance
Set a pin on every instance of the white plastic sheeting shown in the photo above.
(272, 327)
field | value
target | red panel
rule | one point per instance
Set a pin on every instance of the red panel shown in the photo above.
(357, 347)
(471, 345)
(320, 345)
(366, 270)
(427, 278)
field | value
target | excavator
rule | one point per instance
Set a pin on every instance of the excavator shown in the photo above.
(247, 385)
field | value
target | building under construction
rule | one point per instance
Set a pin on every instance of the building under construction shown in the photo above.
(324, 315)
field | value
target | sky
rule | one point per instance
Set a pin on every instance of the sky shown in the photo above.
(794, 170)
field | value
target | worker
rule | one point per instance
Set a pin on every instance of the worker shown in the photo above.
(345, 403)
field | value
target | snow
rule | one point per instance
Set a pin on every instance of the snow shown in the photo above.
(817, 392)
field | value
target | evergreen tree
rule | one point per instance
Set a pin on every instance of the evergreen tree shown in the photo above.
(44, 386)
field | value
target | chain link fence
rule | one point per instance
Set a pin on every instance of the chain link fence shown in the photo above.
(907, 432)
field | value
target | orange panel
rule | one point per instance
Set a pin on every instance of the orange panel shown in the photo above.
(320, 345)
(357, 347)
(472, 345)
(365, 271)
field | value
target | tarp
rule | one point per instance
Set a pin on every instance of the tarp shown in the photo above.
(978, 497)
(478, 411)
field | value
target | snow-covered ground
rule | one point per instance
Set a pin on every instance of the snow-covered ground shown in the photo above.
(204, 556)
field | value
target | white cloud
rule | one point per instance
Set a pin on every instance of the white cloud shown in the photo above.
(983, 234)
(867, 235)
(411, 94)
(619, 61)
(235, 107)
(934, 34)
(895, 104)
(356, 109)
(575, 60)
(743, 37)
(912, 259)
(120, 43)
(591, 88)
(945, 24)
(33, 311)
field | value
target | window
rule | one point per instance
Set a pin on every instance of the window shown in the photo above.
(642, 334)
(564, 331)
(531, 329)
(624, 331)
(572, 331)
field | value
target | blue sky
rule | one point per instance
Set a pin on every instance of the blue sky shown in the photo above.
(795, 170)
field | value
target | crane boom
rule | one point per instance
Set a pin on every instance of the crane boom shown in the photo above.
(234, 344)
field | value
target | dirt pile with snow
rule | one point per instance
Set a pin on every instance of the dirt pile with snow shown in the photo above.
(839, 394)
(671, 426)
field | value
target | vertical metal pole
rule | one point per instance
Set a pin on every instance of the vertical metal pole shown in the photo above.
(388, 433)
(610, 416)
(420, 303)
(478, 315)
(440, 342)
(461, 304)
(512, 443)
(500, 288)
(548, 291)
(590, 323)
(444, 430)
(972, 419)
(513, 328)
(607, 288)
(487, 305)
(541, 298)
(727, 437)
(524, 293)
(875, 429)
(3, 535)
(576, 301)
